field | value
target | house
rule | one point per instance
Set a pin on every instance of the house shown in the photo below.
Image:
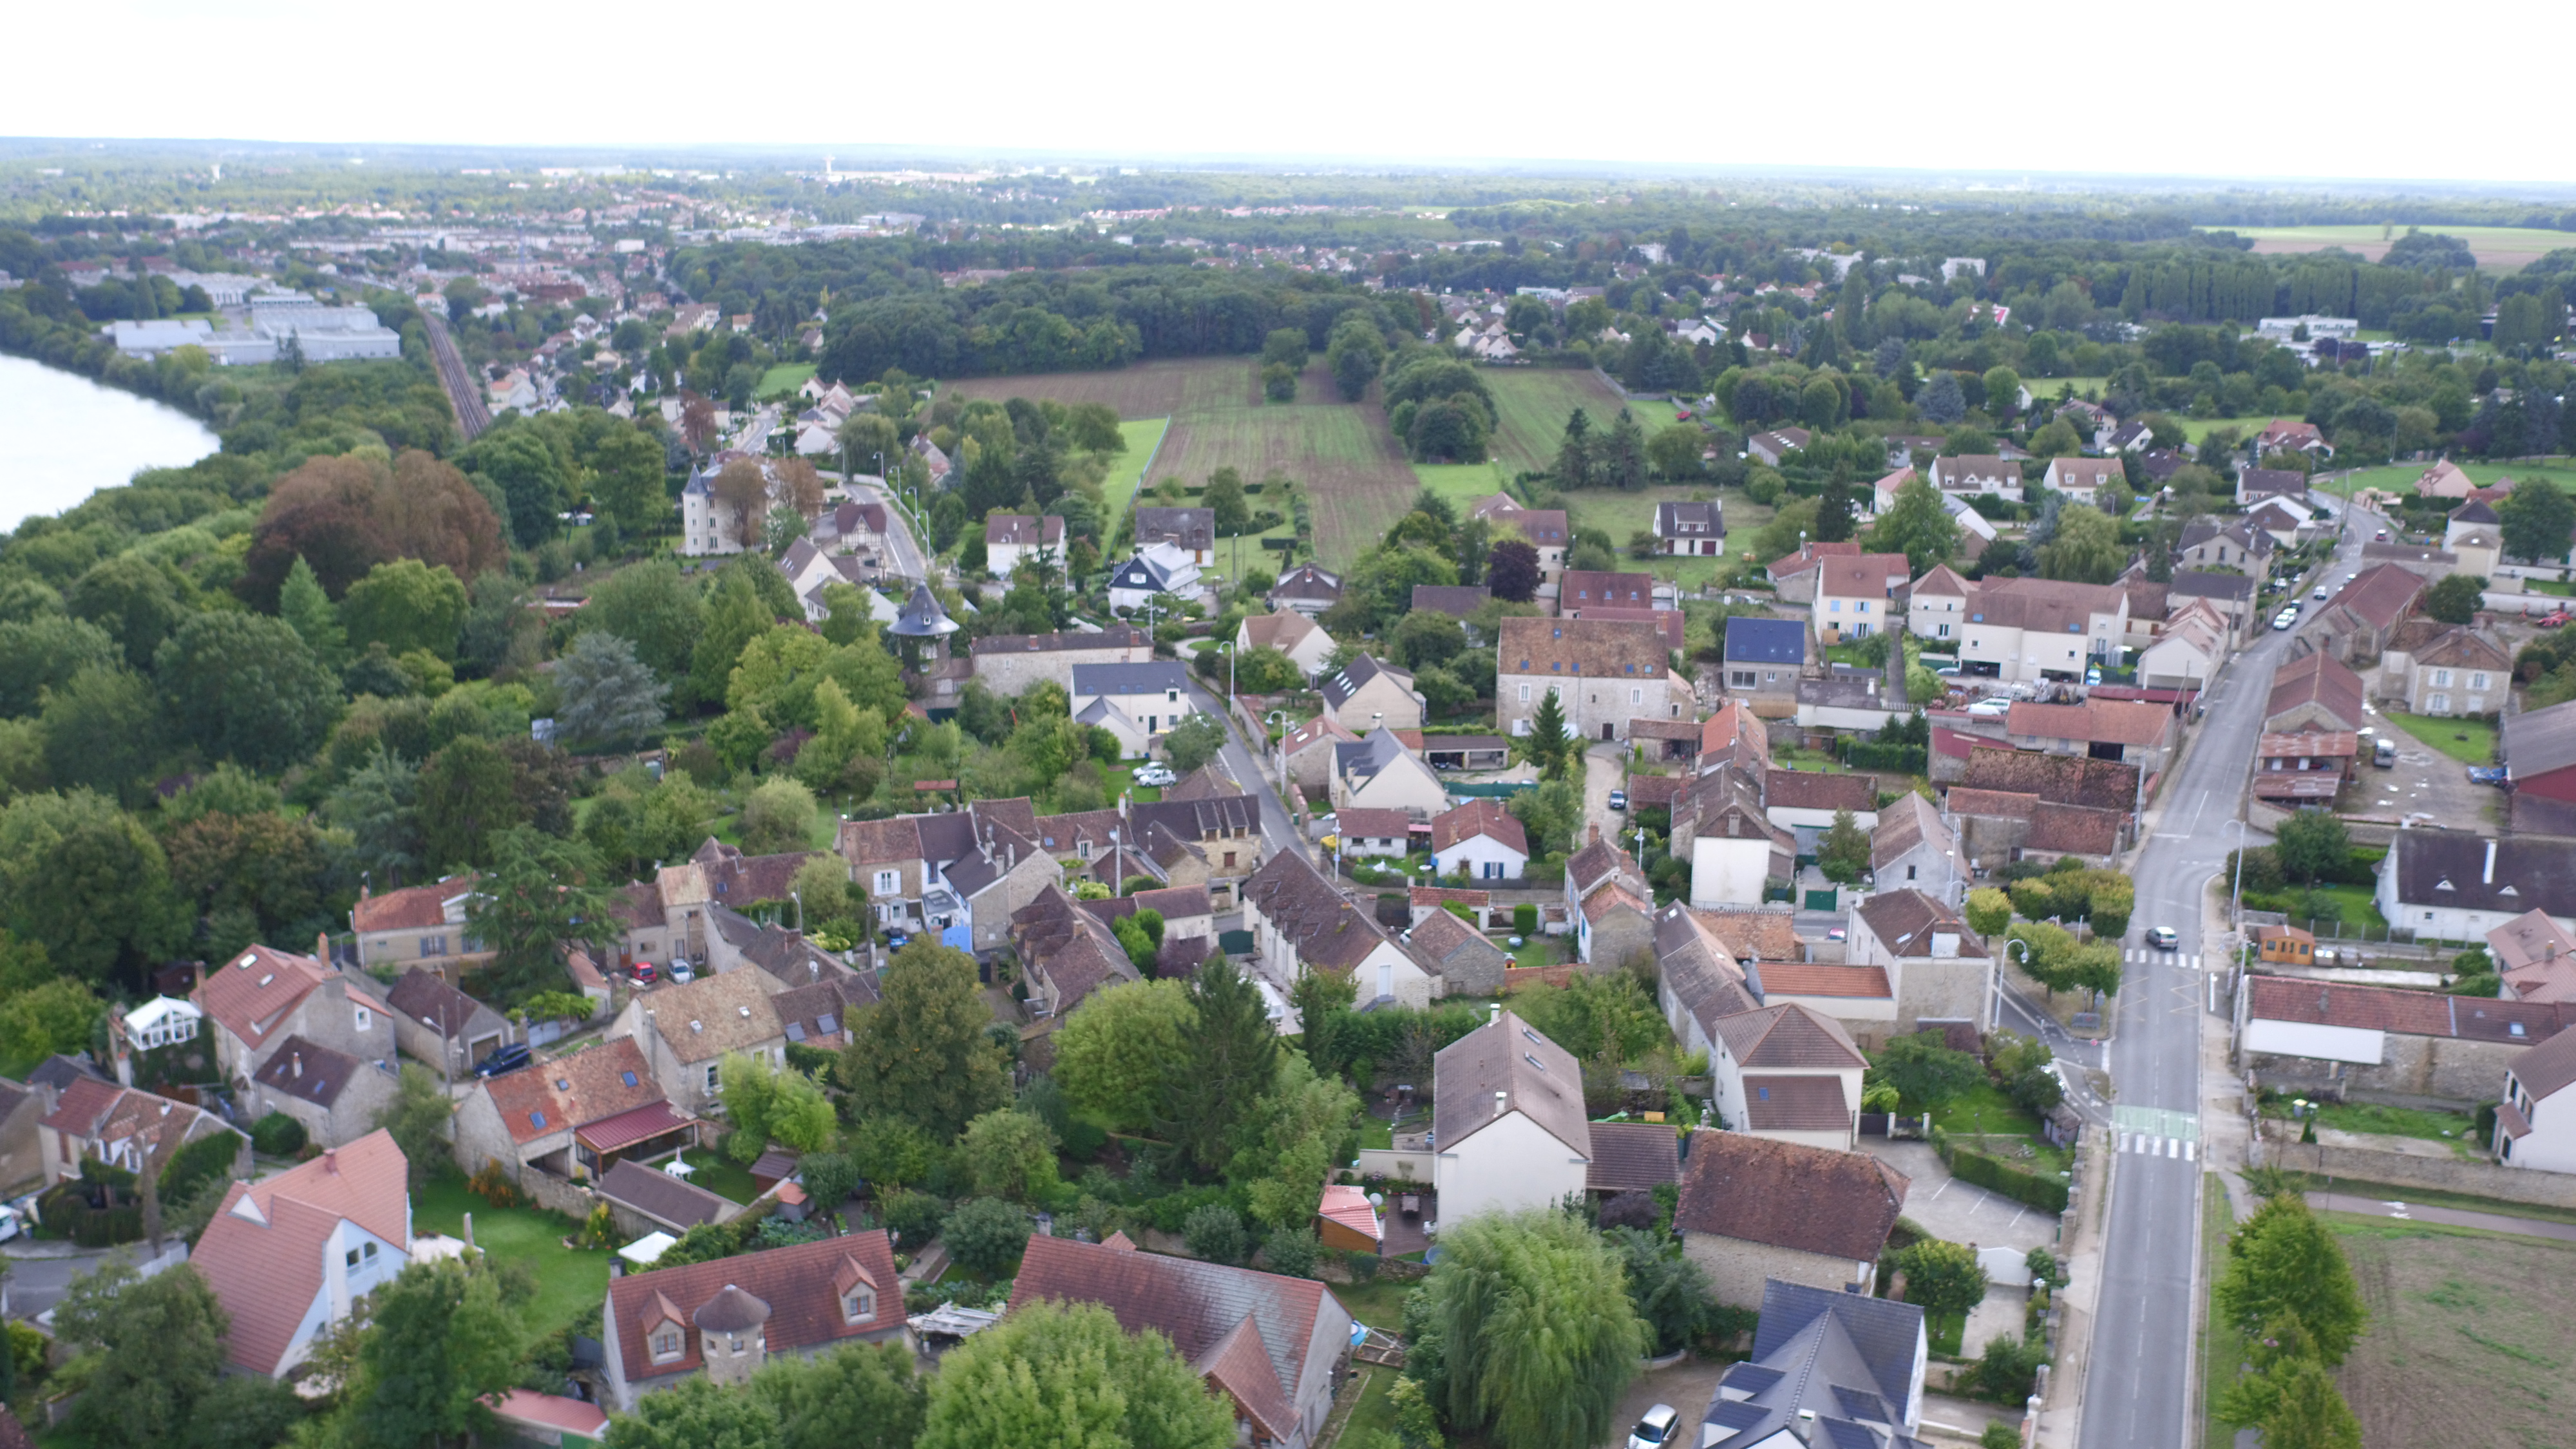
(1737, 855)
(1069, 953)
(1828, 1368)
(2288, 521)
(2304, 1036)
(1010, 537)
(1379, 774)
(1583, 589)
(1691, 528)
(1457, 954)
(1368, 695)
(2188, 651)
(438, 1024)
(22, 1144)
(2286, 945)
(1977, 474)
(2304, 769)
(959, 873)
(726, 1317)
(2453, 886)
(289, 1255)
(1771, 447)
(1161, 570)
(1850, 698)
(1915, 848)
(1190, 530)
(2318, 692)
(1882, 494)
(1466, 752)
(1604, 673)
(938, 462)
(1793, 577)
(1510, 1130)
(1373, 832)
(1754, 1209)
(2234, 598)
(2019, 630)
(1609, 903)
(2002, 826)
(817, 1014)
(334, 1095)
(2539, 752)
(164, 1021)
(1764, 660)
(2225, 544)
(810, 573)
(1306, 751)
(1275, 1348)
(2105, 729)
(1214, 841)
(644, 1200)
(261, 997)
(2536, 957)
(423, 925)
(2253, 485)
(2475, 518)
(1301, 923)
(1734, 736)
(715, 876)
(2083, 479)
(120, 1126)
(1010, 663)
(1809, 799)
(570, 1117)
(1937, 969)
(2444, 669)
(1544, 529)
(1187, 911)
(2292, 437)
(1135, 702)
(1292, 633)
(1307, 589)
(686, 1030)
(2356, 623)
(2536, 1120)
(1481, 840)
(1859, 595)
(1458, 601)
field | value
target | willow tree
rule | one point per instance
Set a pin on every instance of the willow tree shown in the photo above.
(1537, 1336)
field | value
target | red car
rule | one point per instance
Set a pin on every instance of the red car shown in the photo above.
(645, 975)
(2380, 537)
(2552, 621)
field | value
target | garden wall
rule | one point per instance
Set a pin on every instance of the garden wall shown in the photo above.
(2400, 1169)
(1396, 1163)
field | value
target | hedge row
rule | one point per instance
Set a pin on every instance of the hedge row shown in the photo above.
(1996, 1175)
(1871, 755)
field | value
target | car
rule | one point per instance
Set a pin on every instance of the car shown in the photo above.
(504, 1059)
(1156, 775)
(645, 974)
(1837, 933)
(1990, 708)
(2164, 938)
(2557, 619)
(2380, 537)
(2319, 594)
(682, 974)
(2487, 775)
(2285, 620)
(1656, 1427)
(2092, 674)
(897, 940)
(1618, 799)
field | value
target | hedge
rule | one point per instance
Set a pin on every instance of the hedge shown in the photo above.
(1996, 1175)
(1871, 755)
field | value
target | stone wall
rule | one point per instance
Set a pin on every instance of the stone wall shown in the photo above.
(2447, 1068)
(1944, 989)
(2401, 1169)
(572, 1199)
(1736, 1268)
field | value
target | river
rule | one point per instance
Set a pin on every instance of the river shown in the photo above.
(64, 437)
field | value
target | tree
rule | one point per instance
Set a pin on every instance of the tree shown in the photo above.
(1231, 1063)
(466, 794)
(697, 1413)
(1942, 1278)
(1225, 497)
(1675, 454)
(2003, 391)
(2537, 519)
(608, 694)
(2086, 548)
(735, 615)
(405, 605)
(1536, 1336)
(2283, 1261)
(1941, 398)
(921, 1052)
(1267, 671)
(651, 606)
(2312, 846)
(741, 493)
(1989, 911)
(439, 1343)
(417, 1116)
(132, 598)
(2309, 1411)
(1058, 1376)
(540, 894)
(1119, 1049)
(1925, 1072)
(1917, 526)
(254, 691)
(1670, 1292)
(1548, 742)
(2455, 598)
(1009, 1154)
(1843, 853)
(101, 729)
(778, 817)
(309, 611)
(1292, 1141)
(1512, 570)
(772, 1104)
(1622, 463)
(1194, 741)
(518, 463)
(859, 1396)
(1574, 465)
(1215, 1233)
(86, 881)
(41, 1017)
(1279, 382)
(626, 480)
(1354, 355)
(986, 1235)
(159, 1345)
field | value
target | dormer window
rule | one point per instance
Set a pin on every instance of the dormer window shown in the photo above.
(666, 1343)
(859, 1305)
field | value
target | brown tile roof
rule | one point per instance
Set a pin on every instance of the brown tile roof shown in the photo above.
(262, 1253)
(412, 908)
(1585, 589)
(880, 842)
(800, 1285)
(1282, 631)
(1207, 782)
(1868, 575)
(1799, 978)
(83, 1106)
(1076, 950)
(2057, 779)
(1632, 1157)
(1648, 792)
(2073, 830)
(1322, 926)
(2096, 721)
(2462, 648)
(1758, 936)
(1789, 1037)
(1434, 897)
(1059, 835)
(712, 1015)
(2548, 1067)
(1904, 825)
(1478, 817)
(2412, 1013)
(1582, 648)
(568, 1091)
(1191, 528)
(1022, 528)
(1545, 527)
(1795, 1104)
(2536, 957)
(1456, 600)
(1368, 824)
(673, 1202)
(2379, 597)
(2318, 679)
(1815, 790)
(251, 992)
(1991, 804)
(1672, 622)
(736, 879)
(1943, 581)
(425, 997)
(1610, 896)
(1812, 1199)
(1254, 1335)
(1809, 556)
(1508, 1061)
(1170, 902)
(1906, 920)
(1308, 581)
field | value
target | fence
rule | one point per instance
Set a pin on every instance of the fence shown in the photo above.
(1496, 789)
(1996, 1175)
(2404, 1169)
(1396, 1164)
(1516, 977)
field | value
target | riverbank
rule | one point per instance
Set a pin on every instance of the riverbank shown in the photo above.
(67, 435)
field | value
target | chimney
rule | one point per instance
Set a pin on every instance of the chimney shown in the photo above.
(1493, 1013)
(1500, 1099)
(322, 947)
(1596, 834)
(1804, 1426)
(296, 1064)
(2489, 878)
(331, 1161)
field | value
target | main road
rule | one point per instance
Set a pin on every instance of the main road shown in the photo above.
(2137, 1387)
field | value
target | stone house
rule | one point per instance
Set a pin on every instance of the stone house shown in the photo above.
(442, 1026)
(2444, 669)
(1068, 953)
(1458, 954)
(1753, 1210)
(1009, 663)
(335, 1095)
(1609, 903)
(1366, 695)
(2323, 1038)
(1605, 672)
(421, 925)
(1300, 923)
(259, 998)
(1938, 970)
(724, 1319)
(570, 1117)
(685, 1031)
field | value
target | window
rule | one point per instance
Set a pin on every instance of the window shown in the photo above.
(1082, 849)
(1524, 694)
(1833, 606)
(712, 1080)
(666, 1343)
(368, 1252)
(1943, 631)
(366, 1019)
(2477, 681)
(1171, 696)
(1636, 696)
(889, 882)
(1740, 678)
(2441, 679)
(433, 945)
(859, 1305)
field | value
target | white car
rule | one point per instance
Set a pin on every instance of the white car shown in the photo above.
(2320, 594)
(2285, 619)
(1655, 1428)
(1990, 708)
(1156, 775)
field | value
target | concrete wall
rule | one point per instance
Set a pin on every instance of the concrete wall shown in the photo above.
(1736, 1268)
(2401, 1169)
(1399, 1165)
(1944, 989)
(1729, 870)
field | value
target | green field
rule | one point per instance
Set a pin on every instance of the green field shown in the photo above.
(2469, 1338)
(1621, 514)
(1143, 436)
(2400, 477)
(1534, 403)
(784, 379)
(2502, 248)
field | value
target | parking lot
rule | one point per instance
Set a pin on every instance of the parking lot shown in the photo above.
(2426, 787)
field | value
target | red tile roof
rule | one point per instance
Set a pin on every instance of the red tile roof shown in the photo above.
(251, 992)
(1349, 1206)
(801, 1285)
(567, 1092)
(411, 908)
(1787, 1195)
(1374, 824)
(262, 1253)
(1478, 817)
(2412, 1013)
(1793, 978)
(1815, 790)
(1632, 1157)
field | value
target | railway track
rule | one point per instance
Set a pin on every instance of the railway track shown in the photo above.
(472, 416)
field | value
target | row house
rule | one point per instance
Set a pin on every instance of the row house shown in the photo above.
(959, 874)
(1301, 923)
(1068, 953)
(1977, 474)
(571, 1117)
(1009, 663)
(1604, 673)
(2020, 630)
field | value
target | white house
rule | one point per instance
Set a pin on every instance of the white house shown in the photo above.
(1292, 633)
(2536, 1121)
(288, 1255)
(1300, 923)
(2452, 886)
(1977, 474)
(1481, 838)
(1508, 1127)
(1010, 537)
(1136, 702)
(1380, 773)
(162, 1021)
(2083, 479)
(1161, 568)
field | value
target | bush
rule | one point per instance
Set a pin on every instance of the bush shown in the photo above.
(1630, 1210)
(1997, 1175)
(1291, 1252)
(277, 1135)
(2009, 1369)
(1215, 1232)
(1525, 919)
(1999, 1436)
(985, 1235)
(913, 1217)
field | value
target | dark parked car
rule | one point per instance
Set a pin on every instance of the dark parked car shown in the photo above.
(503, 1059)
(2487, 775)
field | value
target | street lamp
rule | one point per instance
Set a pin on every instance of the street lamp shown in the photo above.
(2236, 892)
(1227, 649)
(1995, 1014)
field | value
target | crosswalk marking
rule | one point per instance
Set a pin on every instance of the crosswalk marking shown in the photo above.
(2150, 1145)
(2140, 955)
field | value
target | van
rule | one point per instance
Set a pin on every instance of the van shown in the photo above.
(2384, 754)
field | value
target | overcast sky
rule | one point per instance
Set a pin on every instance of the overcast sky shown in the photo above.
(2189, 87)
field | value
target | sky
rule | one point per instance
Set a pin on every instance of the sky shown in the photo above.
(2204, 88)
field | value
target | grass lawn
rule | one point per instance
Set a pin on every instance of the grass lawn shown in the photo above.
(2044, 390)
(2400, 477)
(2497, 248)
(1534, 402)
(1142, 436)
(2470, 1333)
(1376, 1131)
(1464, 483)
(2360, 910)
(1379, 1302)
(784, 379)
(1373, 1415)
(2427, 1197)
(720, 1175)
(2388, 1121)
(1620, 514)
(1984, 1108)
(1945, 1330)
(569, 1283)
(1806, 759)
(2551, 587)
(2198, 428)
(2469, 741)
(2222, 1348)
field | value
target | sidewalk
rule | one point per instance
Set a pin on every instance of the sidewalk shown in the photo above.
(2453, 1217)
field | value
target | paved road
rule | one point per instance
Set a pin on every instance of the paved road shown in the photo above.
(2142, 1346)
(1278, 832)
(2337, 1202)
(903, 550)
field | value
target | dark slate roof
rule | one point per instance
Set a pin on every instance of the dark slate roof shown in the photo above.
(2188, 584)
(425, 997)
(1458, 600)
(1151, 677)
(1322, 926)
(1191, 528)
(1846, 1358)
(1766, 641)
(667, 1200)
(310, 1071)
(2446, 868)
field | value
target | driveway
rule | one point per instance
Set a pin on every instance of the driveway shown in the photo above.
(37, 1283)
(1603, 772)
(2426, 787)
